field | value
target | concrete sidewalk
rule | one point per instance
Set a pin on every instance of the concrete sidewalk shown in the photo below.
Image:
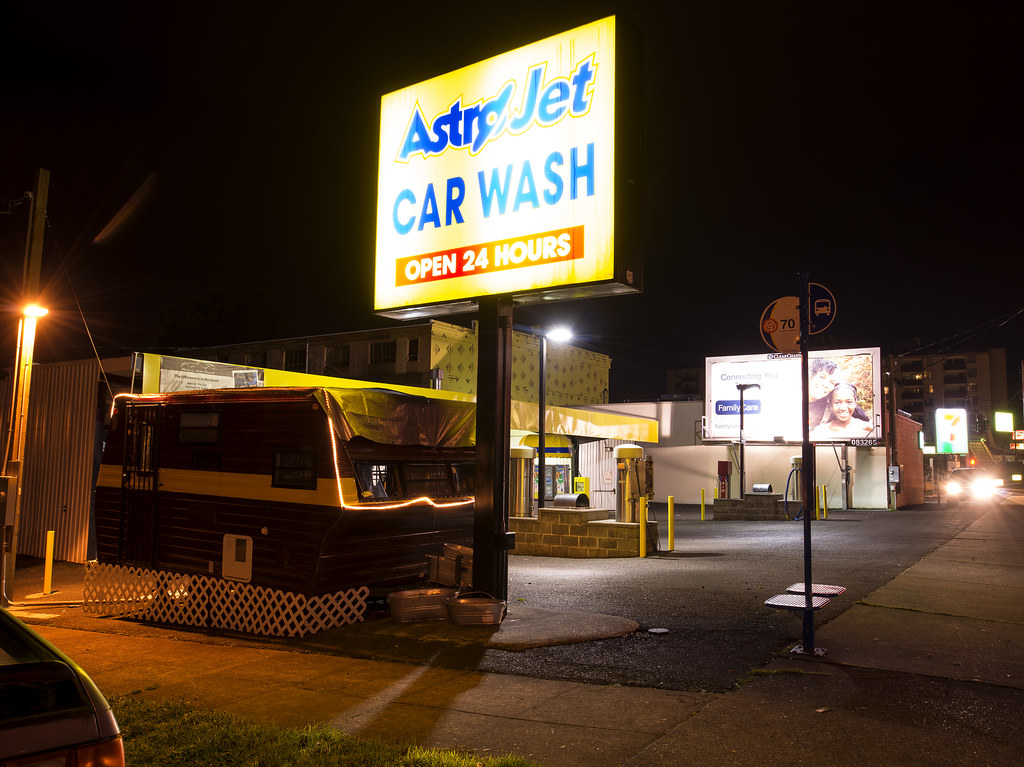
(928, 669)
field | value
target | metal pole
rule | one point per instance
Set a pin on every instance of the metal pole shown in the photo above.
(743, 482)
(14, 457)
(672, 522)
(493, 422)
(810, 495)
(542, 406)
(742, 388)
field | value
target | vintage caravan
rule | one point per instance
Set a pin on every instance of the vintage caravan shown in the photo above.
(275, 510)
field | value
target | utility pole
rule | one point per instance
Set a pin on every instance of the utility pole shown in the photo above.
(14, 456)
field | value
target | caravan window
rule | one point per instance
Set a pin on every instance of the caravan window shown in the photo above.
(199, 428)
(406, 480)
(430, 479)
(295, 467)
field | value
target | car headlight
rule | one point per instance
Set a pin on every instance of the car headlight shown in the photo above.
(983, 489)
(953, 488)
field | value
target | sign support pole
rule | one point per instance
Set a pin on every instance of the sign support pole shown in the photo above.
(493, 423)
(807, 470)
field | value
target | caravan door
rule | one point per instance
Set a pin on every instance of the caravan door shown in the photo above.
(139, 486)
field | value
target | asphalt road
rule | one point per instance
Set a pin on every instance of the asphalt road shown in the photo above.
(708, 594)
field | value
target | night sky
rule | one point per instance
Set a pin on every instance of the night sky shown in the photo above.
(213, 172)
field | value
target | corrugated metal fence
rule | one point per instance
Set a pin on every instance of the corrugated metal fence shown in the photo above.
(597, 461)
(60, 447)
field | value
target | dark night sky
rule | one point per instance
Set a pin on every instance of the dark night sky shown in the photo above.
(875, 146)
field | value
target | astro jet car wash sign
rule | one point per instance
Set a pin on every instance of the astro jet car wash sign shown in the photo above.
(499, 177)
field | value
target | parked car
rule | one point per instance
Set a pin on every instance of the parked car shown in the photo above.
(971, 486)
(51, 713)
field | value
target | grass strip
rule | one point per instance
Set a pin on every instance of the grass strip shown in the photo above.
(164, 732)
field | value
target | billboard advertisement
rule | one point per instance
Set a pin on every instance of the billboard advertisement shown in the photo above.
(844, 397)
(500, 177)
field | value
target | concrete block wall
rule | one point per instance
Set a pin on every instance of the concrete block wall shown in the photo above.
(578, 533)
(762, 506)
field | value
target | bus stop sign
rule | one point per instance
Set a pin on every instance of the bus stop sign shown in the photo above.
(822, 305)
(780, 321)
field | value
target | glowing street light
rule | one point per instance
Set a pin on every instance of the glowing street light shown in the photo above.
(14, 457)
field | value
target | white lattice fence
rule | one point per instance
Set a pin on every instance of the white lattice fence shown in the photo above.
(198, 600)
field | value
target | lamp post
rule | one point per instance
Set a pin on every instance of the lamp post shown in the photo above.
(14, 450)
(14, 458)
(742, 388)
(559, 334)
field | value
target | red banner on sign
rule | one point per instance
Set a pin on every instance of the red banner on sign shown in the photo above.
(500, 255)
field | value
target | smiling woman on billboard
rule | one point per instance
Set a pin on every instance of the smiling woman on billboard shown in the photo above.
(845, 418)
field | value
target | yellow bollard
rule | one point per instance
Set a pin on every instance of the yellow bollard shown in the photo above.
(643, 526)
(824, 501)
(671, 523)
(702, 504)
(817, 502)
(48, 565)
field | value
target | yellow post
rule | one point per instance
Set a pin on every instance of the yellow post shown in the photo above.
(817, 502)
(824, 501)
(643, 526)
(671, 523)
(702, 503)
(48, 566)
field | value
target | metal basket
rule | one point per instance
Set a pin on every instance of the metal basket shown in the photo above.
(420, 605)
(476, 608)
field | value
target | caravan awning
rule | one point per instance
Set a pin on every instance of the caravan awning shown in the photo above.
(395, 418)
(373, 415)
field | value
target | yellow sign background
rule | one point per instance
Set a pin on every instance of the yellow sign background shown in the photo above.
(560, 55)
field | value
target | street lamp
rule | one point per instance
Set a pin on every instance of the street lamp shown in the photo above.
(742, 388)
(560, 334)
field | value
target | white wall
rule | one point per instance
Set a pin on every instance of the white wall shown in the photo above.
(682, 468)
(683, 471)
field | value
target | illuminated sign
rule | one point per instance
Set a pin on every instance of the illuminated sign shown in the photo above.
(842, 392)
(950, 430)
(501, 178)
(1003, 421)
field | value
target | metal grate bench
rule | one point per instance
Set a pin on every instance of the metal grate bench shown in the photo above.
(817, 589)
(796, 602)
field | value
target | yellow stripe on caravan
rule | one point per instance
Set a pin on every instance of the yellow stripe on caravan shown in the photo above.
(255, 487)
(228, 485)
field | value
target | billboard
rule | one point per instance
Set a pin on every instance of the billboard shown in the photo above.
(500, 177)
(844, 397)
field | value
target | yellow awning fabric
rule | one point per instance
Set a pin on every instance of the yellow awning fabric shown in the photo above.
(396, 418)
(585, 423)
(377, 419)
